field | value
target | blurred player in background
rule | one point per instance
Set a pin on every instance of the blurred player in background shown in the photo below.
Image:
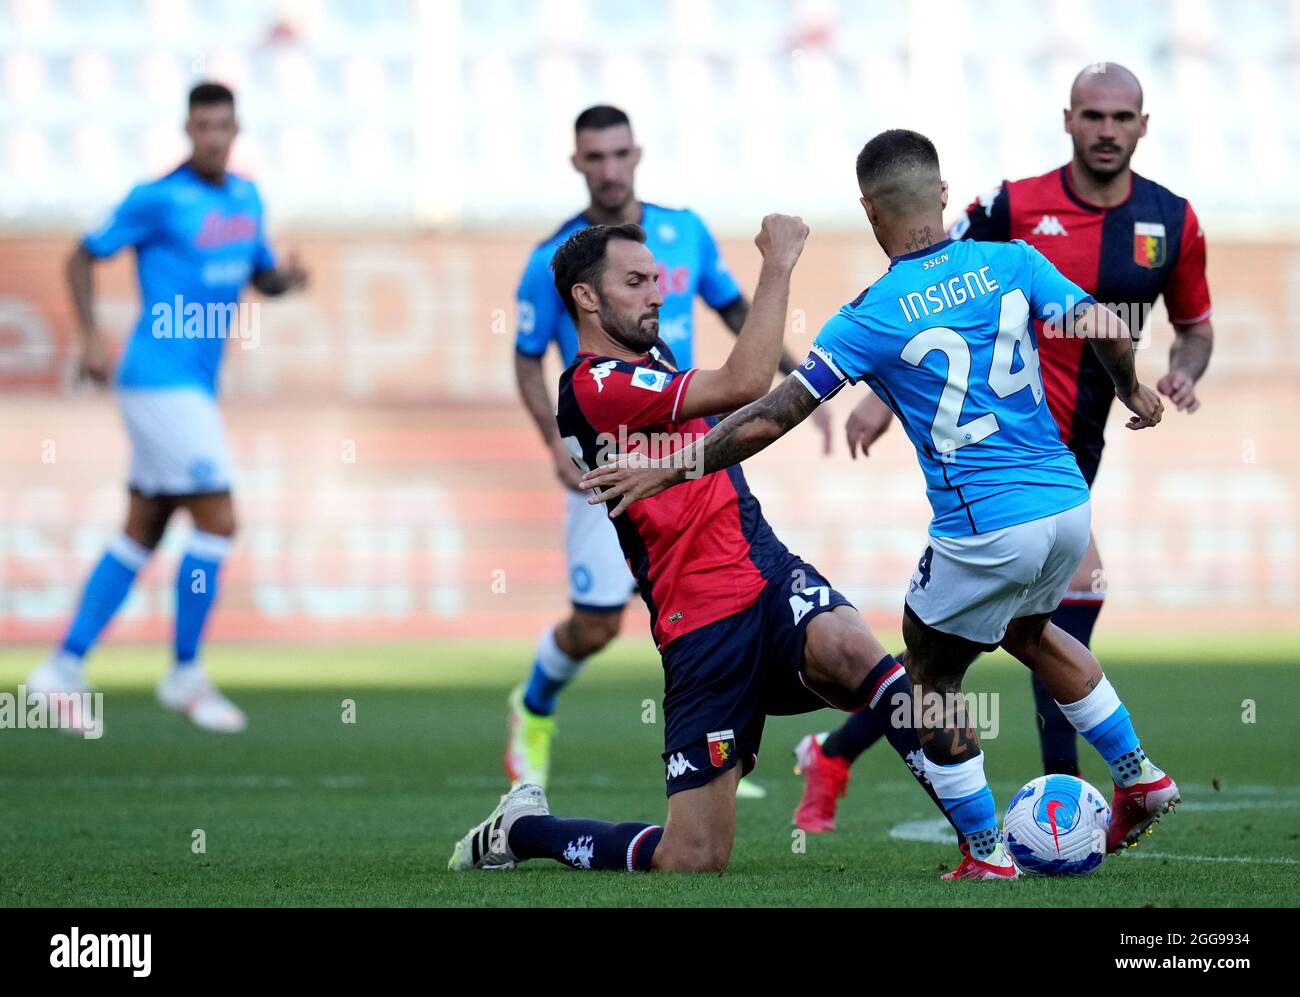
(606, 154)
(1125, 240)
(199, 238)
(944, 337)
(746, 628)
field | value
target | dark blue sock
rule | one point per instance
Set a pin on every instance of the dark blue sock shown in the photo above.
(887, 693)
(859, 732)
(540, 693)
(1056, 735)
(586, 844)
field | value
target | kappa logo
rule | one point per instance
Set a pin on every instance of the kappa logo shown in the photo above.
(650, 380)
(916, 762)
(601, 371)
(679, 766)
(1049, 225)
(579, 853)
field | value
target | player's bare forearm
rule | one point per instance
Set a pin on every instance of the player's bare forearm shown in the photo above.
(81, 287)
(755, 427)
(537, 400)
(1191, 350)
(1113, 344)
(758, 348)
(1188, 358)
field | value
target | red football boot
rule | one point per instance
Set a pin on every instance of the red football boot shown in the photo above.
(999, 865)
(1135, 808)
(825, 780)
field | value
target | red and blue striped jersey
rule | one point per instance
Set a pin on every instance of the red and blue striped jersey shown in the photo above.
(1125, 256)
(700, 551)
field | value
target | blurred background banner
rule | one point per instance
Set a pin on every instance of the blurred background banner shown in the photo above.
(389, 482)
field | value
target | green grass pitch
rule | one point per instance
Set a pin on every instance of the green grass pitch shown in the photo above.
(304, 809)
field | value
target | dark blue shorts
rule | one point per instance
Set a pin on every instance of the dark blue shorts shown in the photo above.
(722, 681)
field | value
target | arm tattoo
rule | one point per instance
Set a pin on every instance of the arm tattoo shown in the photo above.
(747, 431)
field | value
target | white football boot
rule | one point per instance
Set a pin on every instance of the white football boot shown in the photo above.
(60, 677)
(487, 846)
(189, 691)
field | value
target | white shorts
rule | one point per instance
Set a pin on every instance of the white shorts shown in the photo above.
(178, 442)
(598, 575)
(974, 586)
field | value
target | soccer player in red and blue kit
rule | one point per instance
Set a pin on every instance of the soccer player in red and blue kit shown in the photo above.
(746, 628)
(690, 266)
(1125, 240)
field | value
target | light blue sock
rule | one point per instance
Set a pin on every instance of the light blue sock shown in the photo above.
(196, 591)
(1104, 723)
(966, 798)
(105, 590)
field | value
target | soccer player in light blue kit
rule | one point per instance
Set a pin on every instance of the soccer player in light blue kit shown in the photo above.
(690, 265)
(199, 238)
(944, 338)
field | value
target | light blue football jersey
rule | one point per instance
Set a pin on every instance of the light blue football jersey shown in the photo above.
(197, 244)
(689, 264)
(944, 339)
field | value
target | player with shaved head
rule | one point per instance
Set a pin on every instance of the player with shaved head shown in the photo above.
(1127, 241)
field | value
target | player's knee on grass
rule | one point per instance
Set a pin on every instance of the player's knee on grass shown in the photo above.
(701, 827)
(840, 649)
(693, 846)
(586, 633)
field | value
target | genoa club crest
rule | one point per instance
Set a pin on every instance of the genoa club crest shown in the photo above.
(722, 745)
(1149, 244)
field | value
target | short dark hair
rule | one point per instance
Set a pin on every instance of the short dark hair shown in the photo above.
(600, 116)
(581, 260)
(895, 151)
(206, 94)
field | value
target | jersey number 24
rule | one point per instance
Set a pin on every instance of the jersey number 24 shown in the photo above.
(946, 431)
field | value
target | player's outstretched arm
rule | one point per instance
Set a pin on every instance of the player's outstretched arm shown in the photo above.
(1113, 345)
(742, 434)
(748, 370)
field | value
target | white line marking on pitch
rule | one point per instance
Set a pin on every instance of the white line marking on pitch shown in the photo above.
(935, 830)
(1250, 859)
